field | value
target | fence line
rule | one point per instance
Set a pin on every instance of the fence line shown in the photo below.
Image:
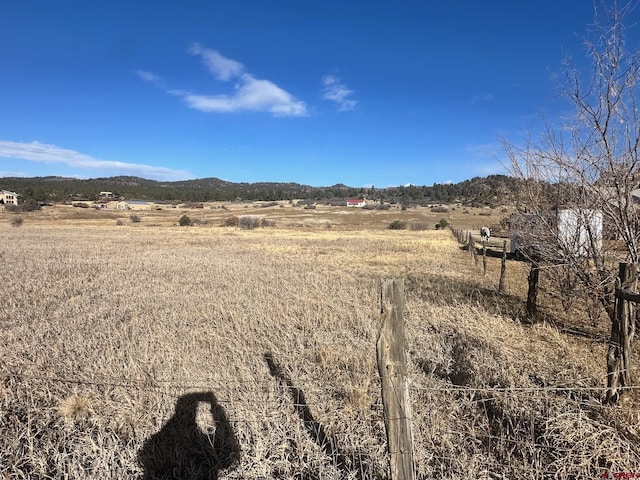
(350, 450)
(325, 441)
(141, 384)
(210, 383)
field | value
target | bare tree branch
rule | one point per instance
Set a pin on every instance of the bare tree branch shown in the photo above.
(588, 166)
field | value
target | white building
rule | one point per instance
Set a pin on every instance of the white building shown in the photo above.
(8, 198)
(133, 205)
(578, 231)
(356, 202)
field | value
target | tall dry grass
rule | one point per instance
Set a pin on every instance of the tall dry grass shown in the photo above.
(114, 341)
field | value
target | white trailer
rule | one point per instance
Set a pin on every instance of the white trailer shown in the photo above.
(578, 231)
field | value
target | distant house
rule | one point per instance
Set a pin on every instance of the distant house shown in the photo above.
(356, 202)
(133, 205)
(106, 195)
(8, 198)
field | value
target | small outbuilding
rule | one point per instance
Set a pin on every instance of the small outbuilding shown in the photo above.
(356, 202)
(133, 205)
(577, 230)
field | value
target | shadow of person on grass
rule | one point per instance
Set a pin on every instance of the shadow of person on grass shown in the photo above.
(182, 450)
(352, 466)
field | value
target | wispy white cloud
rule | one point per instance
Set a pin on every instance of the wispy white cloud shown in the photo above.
(222, 68)
(46, 153)
(488, 168)
(150, 77)
(493, 150)
(484, 98)
(249, 93)
(333, 89)
(9, 173)
(487, 159)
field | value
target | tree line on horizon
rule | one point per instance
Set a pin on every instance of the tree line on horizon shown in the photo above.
(478, 191)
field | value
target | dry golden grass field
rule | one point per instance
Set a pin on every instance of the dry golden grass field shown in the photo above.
(150, 350)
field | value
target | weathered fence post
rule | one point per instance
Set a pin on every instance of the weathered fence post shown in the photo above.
(622, 333)
(503, 267)
(484, 257)
(532, 292)
(392, 366)
(471, 247)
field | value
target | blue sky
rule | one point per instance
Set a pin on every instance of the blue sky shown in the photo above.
(356, 92)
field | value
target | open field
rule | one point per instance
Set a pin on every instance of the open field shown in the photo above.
(284, 214)
(149, 349)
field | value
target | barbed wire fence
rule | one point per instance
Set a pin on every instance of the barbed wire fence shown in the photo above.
(496, 446)
(348, 458)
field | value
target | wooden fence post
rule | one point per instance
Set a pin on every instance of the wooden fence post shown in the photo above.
(622, 333)
(532, 292)
(392, 366)
(503, 267)
(484, 258)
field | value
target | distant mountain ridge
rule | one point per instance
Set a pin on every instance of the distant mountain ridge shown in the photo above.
(492, 190)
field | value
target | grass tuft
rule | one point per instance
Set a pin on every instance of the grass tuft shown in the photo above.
(76, 407)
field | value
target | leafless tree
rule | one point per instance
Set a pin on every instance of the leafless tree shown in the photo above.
(588, 165)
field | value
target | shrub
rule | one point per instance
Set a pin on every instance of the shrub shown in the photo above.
(134, 218)
(397, 225)
(231, 221)
(440, 209)
(185, 221)
(444, 223)
(17, 221)
(267, 223)
(24, 207)
(119, 222)
(249, 222)
(419, 226)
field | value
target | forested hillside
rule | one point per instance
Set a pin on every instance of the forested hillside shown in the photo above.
(492, 190)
